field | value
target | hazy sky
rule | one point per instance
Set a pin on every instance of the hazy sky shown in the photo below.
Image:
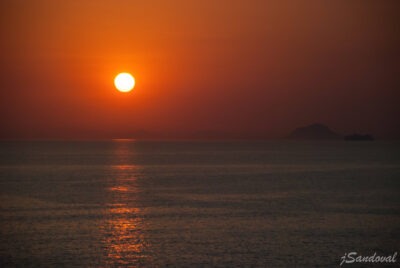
(249, 68)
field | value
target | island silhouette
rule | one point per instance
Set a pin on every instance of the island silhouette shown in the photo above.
(359, 137)
(315, 131)
(318, 131)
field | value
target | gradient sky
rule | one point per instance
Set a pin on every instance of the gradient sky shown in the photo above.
(253, 69)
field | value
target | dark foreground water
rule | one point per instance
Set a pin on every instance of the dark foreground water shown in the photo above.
(195, 204)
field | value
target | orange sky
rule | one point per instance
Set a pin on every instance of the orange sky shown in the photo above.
(252, 69)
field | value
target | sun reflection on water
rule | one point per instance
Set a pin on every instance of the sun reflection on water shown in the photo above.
(124, 239)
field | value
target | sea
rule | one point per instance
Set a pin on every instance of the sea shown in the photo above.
(127, 203)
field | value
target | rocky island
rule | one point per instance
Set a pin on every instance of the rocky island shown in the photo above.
(359, 137)
(314, 132)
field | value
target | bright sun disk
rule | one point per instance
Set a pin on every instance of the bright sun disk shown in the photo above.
(124, 82)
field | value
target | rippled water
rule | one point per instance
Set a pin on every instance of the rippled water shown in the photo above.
(194, 204)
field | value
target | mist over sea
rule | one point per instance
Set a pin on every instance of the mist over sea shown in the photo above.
(195, 204)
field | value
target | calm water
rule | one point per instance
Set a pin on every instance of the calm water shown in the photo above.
(194, 204)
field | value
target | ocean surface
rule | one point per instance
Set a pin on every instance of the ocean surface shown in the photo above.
(194, 204)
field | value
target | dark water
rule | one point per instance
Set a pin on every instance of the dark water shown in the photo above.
(195, 204)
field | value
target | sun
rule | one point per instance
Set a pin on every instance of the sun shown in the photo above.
(124, 82)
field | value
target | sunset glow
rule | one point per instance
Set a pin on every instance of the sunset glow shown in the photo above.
(250, 70)
(199, 133)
